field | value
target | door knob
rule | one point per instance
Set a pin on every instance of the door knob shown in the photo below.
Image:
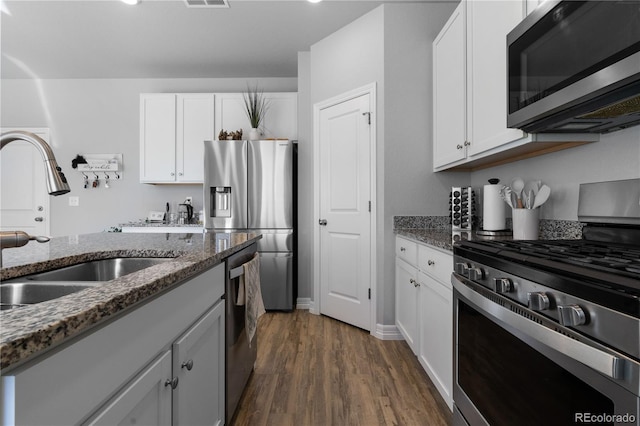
(39, 219)
(322, 222)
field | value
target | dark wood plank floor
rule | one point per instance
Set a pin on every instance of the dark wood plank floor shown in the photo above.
(315, 371)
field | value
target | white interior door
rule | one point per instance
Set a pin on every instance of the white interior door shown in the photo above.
(345, 195)
(24, 201)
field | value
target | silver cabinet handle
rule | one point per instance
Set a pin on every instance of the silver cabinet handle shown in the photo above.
(459, 146)
(180, 174)
(322, 222)
(403, 249)
(431, 262)
(607, 364)
(467, 143)
(172, 382)
(187, 364)
(414, 282)
(172, 174)
(39, 219)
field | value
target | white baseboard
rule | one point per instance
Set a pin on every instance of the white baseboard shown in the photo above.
(304, 303)
(387, 332)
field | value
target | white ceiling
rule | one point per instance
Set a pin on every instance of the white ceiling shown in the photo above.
(165, 38)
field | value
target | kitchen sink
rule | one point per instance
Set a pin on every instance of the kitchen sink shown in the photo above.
(48, 285)
(96, 270)
(16, 294)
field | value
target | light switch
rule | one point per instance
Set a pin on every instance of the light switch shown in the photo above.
(74, 201)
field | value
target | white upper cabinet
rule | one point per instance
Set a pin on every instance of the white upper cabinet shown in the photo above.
(449, 91)
(488, 23)
(281, 119)
(194, 126)
(470, 91)
(158, 137)
(173, 128)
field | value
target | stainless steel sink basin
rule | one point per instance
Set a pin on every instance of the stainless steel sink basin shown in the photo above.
(97, 270)
(25, 293)
(48, 285)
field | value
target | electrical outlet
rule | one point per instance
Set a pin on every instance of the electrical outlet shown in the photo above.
(188, 200)
(74, 201)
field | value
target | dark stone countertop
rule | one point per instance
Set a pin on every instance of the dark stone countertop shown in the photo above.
(32, 329)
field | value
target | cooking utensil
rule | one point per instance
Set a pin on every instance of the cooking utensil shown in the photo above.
(542, 197)
(517, 185)
(532, 185)
(505, 194)
(530, 199)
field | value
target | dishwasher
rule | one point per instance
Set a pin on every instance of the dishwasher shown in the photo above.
(240, 356)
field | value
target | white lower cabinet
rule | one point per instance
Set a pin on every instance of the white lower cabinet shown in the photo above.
(185, 384)
(198, 364)
(145, 401)
(407, 302)
(436, 334)
(424, 309)
(161, 363)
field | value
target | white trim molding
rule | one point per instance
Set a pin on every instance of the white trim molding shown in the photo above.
(387, 332)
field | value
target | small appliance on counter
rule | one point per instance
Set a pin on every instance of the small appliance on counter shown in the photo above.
(493, 211)
(185, 213)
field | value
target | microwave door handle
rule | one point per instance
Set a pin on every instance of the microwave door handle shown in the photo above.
(607, 364)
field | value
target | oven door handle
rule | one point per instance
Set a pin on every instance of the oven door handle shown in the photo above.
(610, 365)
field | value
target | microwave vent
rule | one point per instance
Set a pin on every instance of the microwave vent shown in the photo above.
(626, 107)
(208, 3)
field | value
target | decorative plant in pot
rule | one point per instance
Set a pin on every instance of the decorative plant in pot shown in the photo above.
(256, 106)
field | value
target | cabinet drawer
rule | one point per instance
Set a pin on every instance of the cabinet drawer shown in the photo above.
(407, 251)
(436, 263)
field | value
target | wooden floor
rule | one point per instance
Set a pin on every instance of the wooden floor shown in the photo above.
(316, 371)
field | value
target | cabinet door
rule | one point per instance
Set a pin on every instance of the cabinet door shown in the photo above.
(436, 334)
(230, 114)
(488, 23)
(194, 126)
(199, 364)
(157, 137)
(407, 302)
(449, 91)
(281, 120)
(145, 401)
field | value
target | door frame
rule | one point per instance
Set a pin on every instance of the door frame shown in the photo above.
(369, 89)
(45, 134)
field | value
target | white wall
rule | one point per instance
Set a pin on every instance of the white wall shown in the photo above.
(391, 46)
(615, 157)
(102, 116)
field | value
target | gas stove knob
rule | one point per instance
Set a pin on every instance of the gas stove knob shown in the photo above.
(571, 315)
(476, 274)
(538, 301)
(502, 285)
(462, 268)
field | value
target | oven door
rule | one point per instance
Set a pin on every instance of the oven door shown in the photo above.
(511, 369)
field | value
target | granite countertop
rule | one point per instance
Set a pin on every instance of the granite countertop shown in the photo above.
(32, 329)
(145, 224)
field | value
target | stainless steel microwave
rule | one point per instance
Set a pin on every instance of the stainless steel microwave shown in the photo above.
(574, 67)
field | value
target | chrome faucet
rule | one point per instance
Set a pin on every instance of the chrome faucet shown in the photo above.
(56, 184)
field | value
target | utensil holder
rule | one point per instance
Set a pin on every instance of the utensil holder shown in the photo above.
(526, 223)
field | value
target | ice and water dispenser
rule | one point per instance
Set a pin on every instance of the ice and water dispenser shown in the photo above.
(220, 201)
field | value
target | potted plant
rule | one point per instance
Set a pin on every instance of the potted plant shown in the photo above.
(256, 106)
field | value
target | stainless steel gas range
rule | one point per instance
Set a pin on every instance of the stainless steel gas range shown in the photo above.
(547, 332)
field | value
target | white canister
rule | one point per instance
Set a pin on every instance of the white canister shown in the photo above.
(493, 207)
(526, 223)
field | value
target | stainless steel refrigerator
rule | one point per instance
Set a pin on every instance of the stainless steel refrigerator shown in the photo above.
(248, 186)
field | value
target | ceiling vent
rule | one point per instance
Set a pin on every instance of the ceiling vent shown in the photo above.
(207, 3)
